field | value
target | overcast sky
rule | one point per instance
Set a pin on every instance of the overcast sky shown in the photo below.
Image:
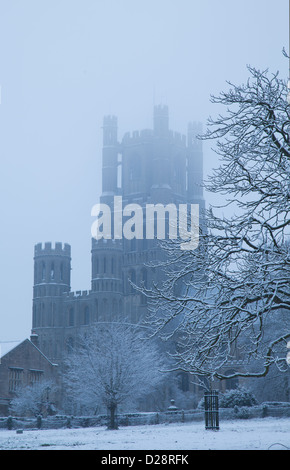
(64, 64)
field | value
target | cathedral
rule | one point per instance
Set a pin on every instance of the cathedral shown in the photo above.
(148, 167)
(151, 166)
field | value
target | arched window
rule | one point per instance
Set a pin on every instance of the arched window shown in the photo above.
(34, 320)
(183, 381)
(49, 315)
(39, 309)
(96, 265)
(54, 314)
(61, 271)
(105, 266)
(52, 272)
(71, 317)
(42, 314)
(43, 271)
(105, 306)
(86, 317)
(112, 265)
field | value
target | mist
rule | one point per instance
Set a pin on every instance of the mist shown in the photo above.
(63, 66)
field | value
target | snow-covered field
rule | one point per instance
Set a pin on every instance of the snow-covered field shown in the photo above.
(254, 434)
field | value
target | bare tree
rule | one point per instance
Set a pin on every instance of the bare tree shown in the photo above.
(230, 298)
(113, 365)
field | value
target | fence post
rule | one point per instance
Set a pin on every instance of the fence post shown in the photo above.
(211, 410)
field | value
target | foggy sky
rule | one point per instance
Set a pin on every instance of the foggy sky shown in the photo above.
(64, 64)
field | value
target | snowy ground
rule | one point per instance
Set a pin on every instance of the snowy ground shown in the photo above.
(255, 434)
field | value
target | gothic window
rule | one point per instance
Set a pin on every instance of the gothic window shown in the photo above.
(105, 306)
(49, 315)
(38, 316)
(42, 314)
(61, 271)
(54, 319)
(71, 318)
(86, 317)
(34, 320)
(183, 381)
(52, 272)
(42, 271)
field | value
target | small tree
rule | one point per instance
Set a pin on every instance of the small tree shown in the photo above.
(33, 399)
(113, 365)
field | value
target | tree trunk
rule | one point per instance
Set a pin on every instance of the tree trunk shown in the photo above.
(113, 423)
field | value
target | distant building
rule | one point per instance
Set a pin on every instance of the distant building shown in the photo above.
(23, 365)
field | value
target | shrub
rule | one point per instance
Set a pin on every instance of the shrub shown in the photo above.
(237, 397)
(241, 413)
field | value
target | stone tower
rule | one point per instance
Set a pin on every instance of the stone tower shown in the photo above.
(52, 269)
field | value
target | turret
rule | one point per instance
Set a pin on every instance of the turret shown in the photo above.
(161, 121)
(52, 266)
(107, 277)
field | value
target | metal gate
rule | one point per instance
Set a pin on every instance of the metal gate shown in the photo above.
(211, 409)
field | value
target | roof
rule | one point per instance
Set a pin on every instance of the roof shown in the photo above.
(13, 346)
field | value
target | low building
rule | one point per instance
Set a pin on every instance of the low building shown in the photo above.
(24, 365)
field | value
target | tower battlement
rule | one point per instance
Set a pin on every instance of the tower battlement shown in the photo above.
(161, 110)
(48, 249)
(140, 137)
(79, 294)
(137, 136)
(107, 244)
(110, 121)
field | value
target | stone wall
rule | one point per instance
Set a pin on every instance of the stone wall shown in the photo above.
(268, 409)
